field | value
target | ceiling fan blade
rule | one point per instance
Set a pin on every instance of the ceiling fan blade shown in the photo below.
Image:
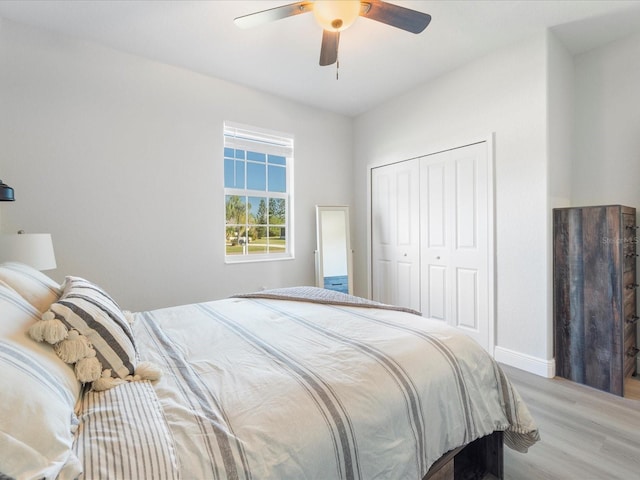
(329, 49)
(396, 16)
(277, 13)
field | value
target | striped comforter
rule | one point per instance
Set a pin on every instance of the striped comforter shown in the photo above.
(269, 388)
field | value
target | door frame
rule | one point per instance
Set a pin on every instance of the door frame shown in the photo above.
(491, 223)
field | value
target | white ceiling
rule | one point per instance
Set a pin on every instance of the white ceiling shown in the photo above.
(377, 62)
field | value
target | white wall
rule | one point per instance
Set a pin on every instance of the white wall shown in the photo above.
(606, 168)
(120, 158)
(560, 121)
(505, 93)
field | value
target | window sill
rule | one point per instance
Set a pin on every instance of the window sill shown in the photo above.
(231, 259)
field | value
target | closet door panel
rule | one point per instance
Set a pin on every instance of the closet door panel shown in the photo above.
(383, 287)
(382, 247)
(435, 205)
(404, 207)
(467, 299)
(454, 222)
(405, 274)
(395, 234)
(436, 305)
(466, 207)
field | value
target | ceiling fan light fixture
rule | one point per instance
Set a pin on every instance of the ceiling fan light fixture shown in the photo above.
(336, 15)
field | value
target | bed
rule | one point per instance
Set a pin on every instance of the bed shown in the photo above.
(298, 383)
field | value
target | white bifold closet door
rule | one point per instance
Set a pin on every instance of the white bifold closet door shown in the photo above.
(395, 236)
(430, 237)
(454, 239)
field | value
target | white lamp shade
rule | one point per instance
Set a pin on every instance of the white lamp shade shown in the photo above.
(33, 249)
(336, 15)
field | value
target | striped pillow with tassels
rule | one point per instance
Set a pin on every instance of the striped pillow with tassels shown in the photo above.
(88, 329)
(87, 308)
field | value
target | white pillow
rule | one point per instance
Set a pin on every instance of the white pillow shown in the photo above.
(34, 286)
(38, 394)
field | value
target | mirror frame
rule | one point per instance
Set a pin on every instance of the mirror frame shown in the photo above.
(320, 254)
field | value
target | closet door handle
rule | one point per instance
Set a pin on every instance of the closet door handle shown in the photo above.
(631, 286)
(632, 352)
(629, 255)
(632, 319)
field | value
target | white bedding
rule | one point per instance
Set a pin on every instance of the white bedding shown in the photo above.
(257, 388)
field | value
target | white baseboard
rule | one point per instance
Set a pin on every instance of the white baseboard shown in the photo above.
(528, 363)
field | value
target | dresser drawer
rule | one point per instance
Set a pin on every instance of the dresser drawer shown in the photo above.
(629, 303)
(629, 253)
(629, 330)
(629, 291)
(629, 241)
(629, 351)
(629, 366)
(629, 227)
(337, 283)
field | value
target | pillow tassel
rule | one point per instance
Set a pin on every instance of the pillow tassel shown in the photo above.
(147, 371)
(48, 329)
(88, 369)
(74, 348)
(106, 381)
(129, 317)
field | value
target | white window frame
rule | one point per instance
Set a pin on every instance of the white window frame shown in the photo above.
(246, 137)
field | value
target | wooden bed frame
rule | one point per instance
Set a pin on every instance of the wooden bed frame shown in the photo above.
(480, 459)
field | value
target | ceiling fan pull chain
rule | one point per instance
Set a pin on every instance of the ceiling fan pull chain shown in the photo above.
(337, 69)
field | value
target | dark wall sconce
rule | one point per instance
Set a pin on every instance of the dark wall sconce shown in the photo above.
(6, 193)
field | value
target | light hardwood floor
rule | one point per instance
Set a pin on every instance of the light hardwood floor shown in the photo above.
(632, 388)
(585, 434)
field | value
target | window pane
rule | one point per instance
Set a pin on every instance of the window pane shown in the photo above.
(256, 177)
(257, 246)
(240, 154)
(277, 160)
(277, 240)
(259, 208)
(258, 215)
(252, 208)
(236, 210)
(256, 157)
(277, 210)
(239, 174)
(277, 179)
(229, 173)
(229, 152)
(232, 246)
(277, 216)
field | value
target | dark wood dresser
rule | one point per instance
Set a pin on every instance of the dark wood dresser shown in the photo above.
(594, 295)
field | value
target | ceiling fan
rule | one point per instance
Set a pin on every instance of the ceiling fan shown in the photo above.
(336, 15)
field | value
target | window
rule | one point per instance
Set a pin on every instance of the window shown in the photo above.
(258, 168)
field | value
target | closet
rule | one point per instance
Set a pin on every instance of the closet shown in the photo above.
(431, 242)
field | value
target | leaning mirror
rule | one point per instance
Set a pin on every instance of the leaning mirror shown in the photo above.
(333, 254)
